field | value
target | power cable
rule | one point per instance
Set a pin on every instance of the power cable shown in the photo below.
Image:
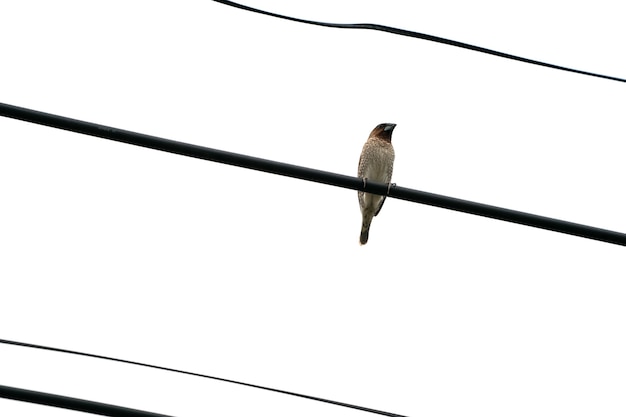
(163, 368)
(310, 174)
(71, 403)
(403, 32)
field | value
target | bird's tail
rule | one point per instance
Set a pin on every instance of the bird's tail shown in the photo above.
(365, 229)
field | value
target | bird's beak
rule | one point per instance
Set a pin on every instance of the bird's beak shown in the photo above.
(389, 127)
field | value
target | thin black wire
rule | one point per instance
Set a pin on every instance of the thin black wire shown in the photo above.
(163, 368)
(71, 403)
(310, 174)
(419, 35)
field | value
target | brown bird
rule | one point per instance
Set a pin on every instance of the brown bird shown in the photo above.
(375, 164)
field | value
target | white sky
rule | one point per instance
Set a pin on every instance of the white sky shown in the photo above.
(117, 250)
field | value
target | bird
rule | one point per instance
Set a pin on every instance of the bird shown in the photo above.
(375, 164)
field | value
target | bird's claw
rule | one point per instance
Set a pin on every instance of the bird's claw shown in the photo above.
(391, 184)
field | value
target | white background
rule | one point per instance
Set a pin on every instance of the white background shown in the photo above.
(117, 250)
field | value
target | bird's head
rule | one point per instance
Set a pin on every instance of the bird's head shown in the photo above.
(383, 131)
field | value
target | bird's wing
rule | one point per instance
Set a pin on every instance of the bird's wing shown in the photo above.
(380, 205)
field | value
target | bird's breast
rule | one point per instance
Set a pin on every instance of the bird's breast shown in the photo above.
(377, 163)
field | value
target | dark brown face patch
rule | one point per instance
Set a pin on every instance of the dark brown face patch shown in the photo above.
(380, 132)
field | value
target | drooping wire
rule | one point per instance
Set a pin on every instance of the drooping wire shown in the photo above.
(310, 174)
(163, 368)
(72, 403)
(403, 32)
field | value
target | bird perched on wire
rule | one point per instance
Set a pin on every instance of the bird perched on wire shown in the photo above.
(375, 164)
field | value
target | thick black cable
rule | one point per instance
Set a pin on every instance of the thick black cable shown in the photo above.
(310, 174)
(403, 32)
(71, 403)
(163, 368)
